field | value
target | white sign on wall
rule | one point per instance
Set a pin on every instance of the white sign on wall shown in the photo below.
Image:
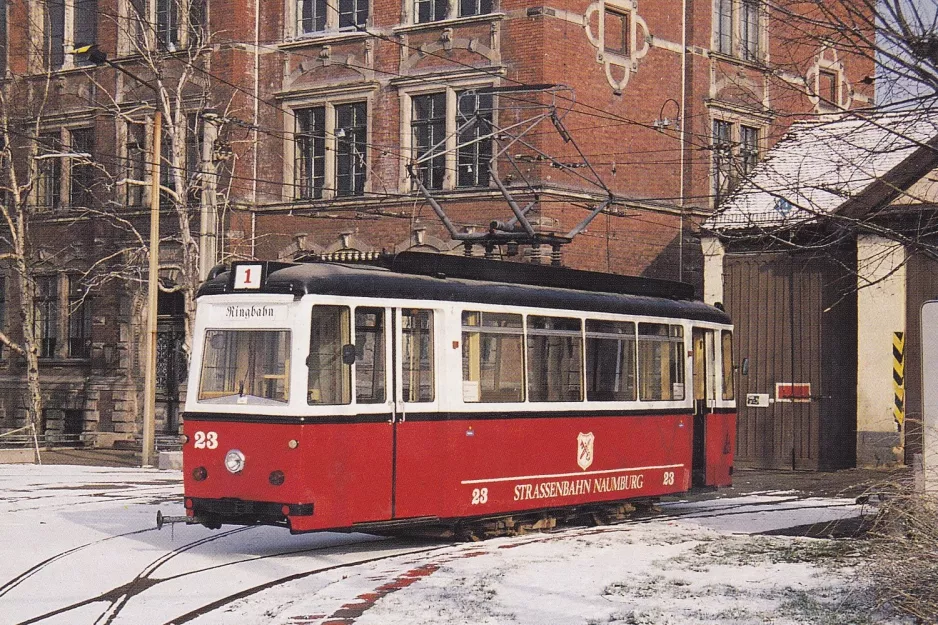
(757, 400)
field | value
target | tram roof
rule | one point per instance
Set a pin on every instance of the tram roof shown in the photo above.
(423, 276)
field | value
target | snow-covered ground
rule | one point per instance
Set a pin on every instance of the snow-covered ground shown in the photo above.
(78, 545)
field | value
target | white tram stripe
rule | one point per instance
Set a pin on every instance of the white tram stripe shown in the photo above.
(582, 473)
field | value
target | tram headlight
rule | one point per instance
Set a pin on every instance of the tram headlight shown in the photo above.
(234, 461)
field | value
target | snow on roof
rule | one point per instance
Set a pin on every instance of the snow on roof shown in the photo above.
(818, 165)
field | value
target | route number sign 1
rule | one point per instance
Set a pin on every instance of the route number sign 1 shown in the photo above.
(248, 276)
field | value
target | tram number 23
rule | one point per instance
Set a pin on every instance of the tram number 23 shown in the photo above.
(669, 478)
(206, 440)
(479, 496)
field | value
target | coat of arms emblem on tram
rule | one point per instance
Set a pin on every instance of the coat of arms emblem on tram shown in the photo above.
(584, 446)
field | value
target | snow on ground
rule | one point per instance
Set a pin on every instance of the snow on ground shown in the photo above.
(78, 545)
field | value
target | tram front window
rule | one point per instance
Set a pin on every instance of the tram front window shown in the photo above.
(245, 367)
(330, 379)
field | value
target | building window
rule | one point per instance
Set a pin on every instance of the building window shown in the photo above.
(311, 152)
(47, 315)
(616, 32)
(748, 148)
(450, 140)
(735, 154)
(312, 16)
(69, 24)
(135, 164)
(430, 10)
(350, 137)
(193, 167)
(722, 159)
(3, 38)
(724, 26)
(828, 87)
(352, 13)
(55, 33)
(737, 28)
(59, 152)
(48, 183)
(189, 165)
(79, 320)
(316, 16)
(81, 172)
(474, 151)
(170, 24)
(167, 24)
(331, 150)
(749, 30)
(475, 7)
(428, 125)
(425, 11)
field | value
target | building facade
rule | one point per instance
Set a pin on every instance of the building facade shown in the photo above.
(311, 126)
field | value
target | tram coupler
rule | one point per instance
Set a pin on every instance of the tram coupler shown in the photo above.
(172, 520)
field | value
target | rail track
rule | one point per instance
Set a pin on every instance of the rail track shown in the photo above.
(353, 550)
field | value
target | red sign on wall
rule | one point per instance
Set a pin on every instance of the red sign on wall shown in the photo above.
(793, 391)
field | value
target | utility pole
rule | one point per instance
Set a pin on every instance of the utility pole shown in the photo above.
(153, 287)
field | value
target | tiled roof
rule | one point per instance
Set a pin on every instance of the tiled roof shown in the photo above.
(819, 165)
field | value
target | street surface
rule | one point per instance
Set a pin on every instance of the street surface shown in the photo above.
(79, 546)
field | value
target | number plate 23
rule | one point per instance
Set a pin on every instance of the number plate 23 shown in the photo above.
(205, 440)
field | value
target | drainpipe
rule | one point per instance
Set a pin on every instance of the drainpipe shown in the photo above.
(680, 247)
(256, 122)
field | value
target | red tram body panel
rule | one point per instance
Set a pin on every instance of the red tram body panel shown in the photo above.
(331, 396)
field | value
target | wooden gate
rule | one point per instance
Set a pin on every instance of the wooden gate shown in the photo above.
(795, 319)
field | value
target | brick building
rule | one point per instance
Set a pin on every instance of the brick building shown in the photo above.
(294, 124)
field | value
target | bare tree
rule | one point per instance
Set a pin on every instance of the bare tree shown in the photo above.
(157, 63)
(168, 74)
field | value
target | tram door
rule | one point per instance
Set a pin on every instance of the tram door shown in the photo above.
(705, 367)
(415, 398)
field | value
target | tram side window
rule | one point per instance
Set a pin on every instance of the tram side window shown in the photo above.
(727, 349)
(660, 362)
(330, 380)
(555, 359)
(417, 355)
(369, 356)
(238, 365)
(492, 357)
(610, 360)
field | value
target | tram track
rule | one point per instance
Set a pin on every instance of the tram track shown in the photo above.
(119, 597)
(425, 567)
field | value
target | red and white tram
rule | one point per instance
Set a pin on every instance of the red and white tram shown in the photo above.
(421, 391)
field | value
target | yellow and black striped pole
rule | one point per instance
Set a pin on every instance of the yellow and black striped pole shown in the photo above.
(898, 377)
